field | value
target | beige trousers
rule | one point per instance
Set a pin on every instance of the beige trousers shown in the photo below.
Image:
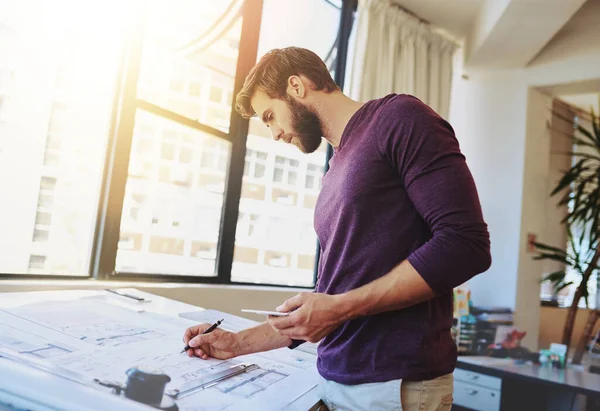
(430, 395)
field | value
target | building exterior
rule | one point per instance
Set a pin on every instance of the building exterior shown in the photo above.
(56, 91)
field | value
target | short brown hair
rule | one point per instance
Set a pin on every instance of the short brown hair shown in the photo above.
(271, 74)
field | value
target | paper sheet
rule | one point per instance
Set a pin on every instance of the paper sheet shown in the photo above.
(230, 323)
(98, 324)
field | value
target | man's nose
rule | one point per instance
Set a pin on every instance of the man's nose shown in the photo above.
(277, 133)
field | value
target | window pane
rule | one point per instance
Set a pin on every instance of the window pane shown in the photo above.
(278, 31)
(57, 80)
(278, 246)
(37, 262)
(190, 56)
(172, 212)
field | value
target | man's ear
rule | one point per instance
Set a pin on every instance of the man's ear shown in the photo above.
(296, 87)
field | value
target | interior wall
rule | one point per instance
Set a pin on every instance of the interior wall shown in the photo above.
(555, 233)
(533, 213)
(552, 320)
(488, 112)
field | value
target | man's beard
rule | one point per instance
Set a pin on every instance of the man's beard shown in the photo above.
(306, 126)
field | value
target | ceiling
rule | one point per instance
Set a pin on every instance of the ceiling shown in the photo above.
(456, 16)
(501, 33)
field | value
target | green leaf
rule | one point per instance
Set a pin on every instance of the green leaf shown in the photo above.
(570, 176)
(595, 124)
(555, 277)
(546, 247)
(553, 257)
(582, 143)
(586, 133)
(562, 286)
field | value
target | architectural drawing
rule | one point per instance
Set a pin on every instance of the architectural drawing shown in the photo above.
(99, 325)
(293, 358)
(250, 383)
(23, 343)
(92, 340)
(230, 323)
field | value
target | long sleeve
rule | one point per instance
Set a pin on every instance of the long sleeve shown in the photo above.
(422, 147)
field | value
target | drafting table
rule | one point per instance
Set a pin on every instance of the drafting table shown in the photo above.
(32, 388)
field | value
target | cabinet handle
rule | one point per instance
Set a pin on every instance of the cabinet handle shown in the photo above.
(471, 391)
(474, 377)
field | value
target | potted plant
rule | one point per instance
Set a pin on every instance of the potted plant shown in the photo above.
(579, 191)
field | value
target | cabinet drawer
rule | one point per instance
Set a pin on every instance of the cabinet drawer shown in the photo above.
(476, 397)
(483, 380)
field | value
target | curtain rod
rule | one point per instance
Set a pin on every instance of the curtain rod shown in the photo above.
(407, 11)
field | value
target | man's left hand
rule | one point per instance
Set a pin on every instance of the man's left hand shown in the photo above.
(312, 317)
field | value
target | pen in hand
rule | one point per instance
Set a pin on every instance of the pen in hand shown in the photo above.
(208, 330)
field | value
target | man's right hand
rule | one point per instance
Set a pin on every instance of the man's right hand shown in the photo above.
(219, 344)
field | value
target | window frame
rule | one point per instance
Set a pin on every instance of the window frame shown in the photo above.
(107, 231)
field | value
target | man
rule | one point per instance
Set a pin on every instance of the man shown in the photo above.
(399, 224)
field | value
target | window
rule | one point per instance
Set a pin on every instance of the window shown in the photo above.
(40, 235)
(214, 157)
(181, 214)
(186, 155)
(37, 262)
(171, 146)
(176, 83)
(255, 164)
(53, 142)
(216, 94)
(51, 158)
(195, 89)
(180, 48)
(168, 151)
(45, 200)
(285, 171)
(247, 224)
(579, 248)
(43, 218)
(313, 177)
(66, 131)
(291, 177)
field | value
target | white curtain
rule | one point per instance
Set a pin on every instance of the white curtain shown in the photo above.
(395, 52)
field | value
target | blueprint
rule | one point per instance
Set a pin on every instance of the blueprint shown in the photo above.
(23, 337)
(104, 325)
(96, 339)
(111, 365)
(230, 323)
(21, 342)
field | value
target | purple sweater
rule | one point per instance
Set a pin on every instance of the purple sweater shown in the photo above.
(398, 188)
